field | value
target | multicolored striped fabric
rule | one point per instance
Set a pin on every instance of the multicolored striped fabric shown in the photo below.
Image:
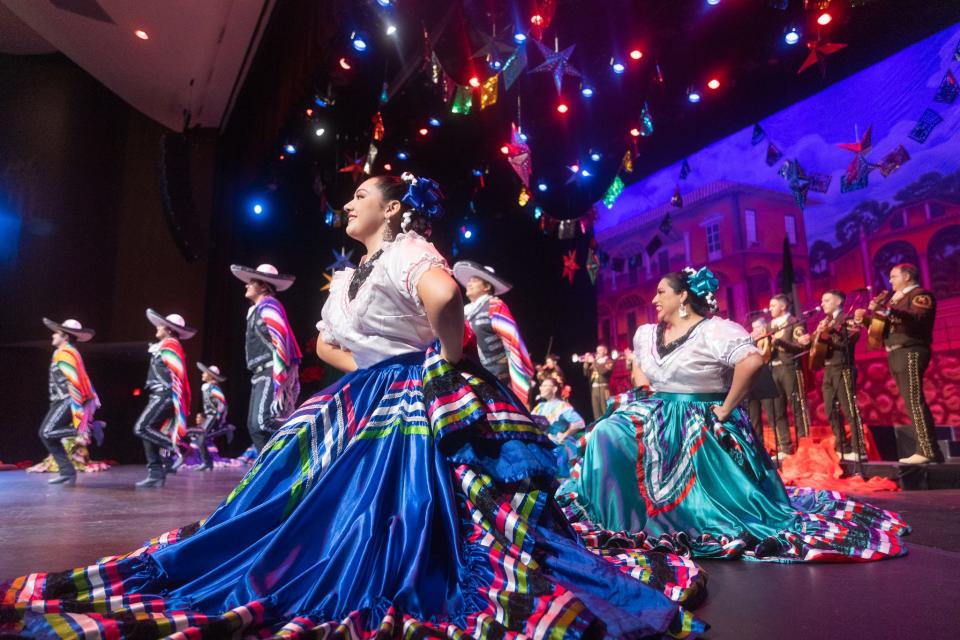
(172, 355)
(380, 510)
(217, 396)
(81, 390)
(286, 351)
(518, 359)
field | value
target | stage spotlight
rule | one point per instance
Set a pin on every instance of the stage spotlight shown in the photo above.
(359, 41)
(587, 92)
(792, 36)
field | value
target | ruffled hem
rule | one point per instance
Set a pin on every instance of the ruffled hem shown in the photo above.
(521, 571)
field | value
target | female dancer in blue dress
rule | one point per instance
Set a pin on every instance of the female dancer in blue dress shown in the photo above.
(683, 469)
(413, 498)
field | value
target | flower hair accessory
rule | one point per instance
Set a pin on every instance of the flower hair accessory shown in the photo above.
(703, 284)
(423, 195)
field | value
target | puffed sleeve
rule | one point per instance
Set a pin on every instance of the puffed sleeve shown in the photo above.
(729, 342)
(410, 258)
(328, 316)
(643, 337)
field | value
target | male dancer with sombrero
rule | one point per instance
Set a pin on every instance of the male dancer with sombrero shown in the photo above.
(502, 351)
(212, 422)
(273, 356)
(73, 400)
(164, 420)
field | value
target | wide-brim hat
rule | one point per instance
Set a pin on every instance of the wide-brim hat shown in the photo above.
(71, 326)
(466, 269)
(213, 370)
(174, 322)
(265, 273)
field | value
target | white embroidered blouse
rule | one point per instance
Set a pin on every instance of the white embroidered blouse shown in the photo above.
(702, 364)
(387, 317)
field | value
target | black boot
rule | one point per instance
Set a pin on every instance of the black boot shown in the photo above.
(67, 481)
(153, 479)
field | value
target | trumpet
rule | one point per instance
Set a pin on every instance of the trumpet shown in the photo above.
(590, 356)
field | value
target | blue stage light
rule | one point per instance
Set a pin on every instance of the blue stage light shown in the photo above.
(519, 38)
(693, 96)
(434, 122)
(587, 92)
(585, 173)
(595, 156)
(258, 209)
(291, 149)
(402, 155)
(618, 68)
(541, 187)
(792, 36)
(359, 41)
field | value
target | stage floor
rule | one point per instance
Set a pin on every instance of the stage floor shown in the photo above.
(45, 528)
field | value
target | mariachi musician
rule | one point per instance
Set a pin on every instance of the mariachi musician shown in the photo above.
(905, 326)
(833, 343)
(761, 400)
(790, 340)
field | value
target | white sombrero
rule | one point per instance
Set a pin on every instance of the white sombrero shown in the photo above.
(174, 322)
(72, 327)
(213, 370)
(265, 273)
(465, 269)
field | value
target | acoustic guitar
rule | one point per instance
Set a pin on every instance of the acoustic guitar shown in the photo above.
(878, 324)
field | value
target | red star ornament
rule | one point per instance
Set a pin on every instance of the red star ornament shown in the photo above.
(570, 265)
(818, 55)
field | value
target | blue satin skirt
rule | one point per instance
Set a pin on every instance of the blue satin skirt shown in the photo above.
(409, 498)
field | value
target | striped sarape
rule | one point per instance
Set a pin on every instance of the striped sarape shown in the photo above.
(411, 499)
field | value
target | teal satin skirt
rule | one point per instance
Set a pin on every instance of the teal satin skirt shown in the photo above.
(663, 467)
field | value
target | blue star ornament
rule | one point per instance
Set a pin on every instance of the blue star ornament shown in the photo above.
(341, 260)
(557, 63)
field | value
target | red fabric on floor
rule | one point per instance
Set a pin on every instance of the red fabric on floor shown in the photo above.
(816, 464)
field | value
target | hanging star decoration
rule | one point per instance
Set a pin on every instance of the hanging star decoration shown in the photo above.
(378, 129)
(514, 66)
(494, 45)
(948, 89)
(592, 266)
(570, 265)
(797, 181)
(557, 63)
(860, 149)
(518, 155)
(893, 160)
(354, 167)
(684, 169)
(329, 278)
(462, 100)
(627, 163)
(524, 197)
(488, 91)
(818, 55)
(341, 260)
(758, 135)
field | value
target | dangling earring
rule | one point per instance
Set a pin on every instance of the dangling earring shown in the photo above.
(683, 310)
(388, 234)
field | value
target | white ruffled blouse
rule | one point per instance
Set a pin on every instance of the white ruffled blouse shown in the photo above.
(702, 364)
(387, 317)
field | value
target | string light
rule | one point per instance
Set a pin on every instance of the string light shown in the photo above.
(618, 67)
(345, 64)
(587, 92)
(140, 33)
(434, 122)
(423, 131)
(359, 41)
(519, 38)
(541, 186)
(636, 54)
(635, 132)
(504, 149)
(319, 132)
(474, 82)
(388, 167)
(562, 108)
(714, 84)
(536, 20)
(693, 96)
(391, 30)
(792, 36)
(824, 19)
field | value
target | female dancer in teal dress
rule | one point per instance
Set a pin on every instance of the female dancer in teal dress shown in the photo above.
(413, 498)
(682, 468)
